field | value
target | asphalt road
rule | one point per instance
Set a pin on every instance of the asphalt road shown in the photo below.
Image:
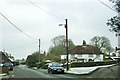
(21, 72)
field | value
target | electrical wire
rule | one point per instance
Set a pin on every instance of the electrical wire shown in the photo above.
(17, 27)
(20, 46)
(45, 10)
(107, 6)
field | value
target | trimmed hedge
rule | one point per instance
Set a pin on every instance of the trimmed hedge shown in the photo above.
(80, 64)
(15, 63)
(90, 64)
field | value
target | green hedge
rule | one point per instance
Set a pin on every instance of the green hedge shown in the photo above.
(42, 65)
(15, 63)
(87, 64)
(90, 64)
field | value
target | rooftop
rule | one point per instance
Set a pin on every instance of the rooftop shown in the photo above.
(84, 49)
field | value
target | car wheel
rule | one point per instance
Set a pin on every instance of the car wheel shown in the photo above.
(48, 71)
(63, 72)
(52, 72)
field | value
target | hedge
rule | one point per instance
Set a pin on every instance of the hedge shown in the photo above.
(42, 65)
(90, 64)
(15, 63)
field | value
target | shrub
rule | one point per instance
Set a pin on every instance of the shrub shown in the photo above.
(15, 63)
(42, 65)
(90, 64)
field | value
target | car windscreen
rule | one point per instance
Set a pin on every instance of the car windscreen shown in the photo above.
(8, 64)
(56, 65)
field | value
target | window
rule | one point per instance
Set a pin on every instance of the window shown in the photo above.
(72, 55)
(90, 55)
(79, 55)
(97, 55)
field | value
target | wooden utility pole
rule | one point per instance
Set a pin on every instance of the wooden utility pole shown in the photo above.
(119, 37)
(39, 46)
(66, 26)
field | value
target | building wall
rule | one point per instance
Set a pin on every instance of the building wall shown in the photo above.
(3, 58)
(94, 57)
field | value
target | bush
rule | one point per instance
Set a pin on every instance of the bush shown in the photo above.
(42, 65)
(83, 64)
(90, 64)
(15, 63)
(23, 63)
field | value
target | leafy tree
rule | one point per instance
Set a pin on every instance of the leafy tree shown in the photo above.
(114, 22)
(9, 56)
(58, 40)
(58, 47)
(30, 61)
(102, 43)
(35, 58)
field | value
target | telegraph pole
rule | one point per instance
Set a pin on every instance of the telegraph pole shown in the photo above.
(119, 37)
(66, 26)
(39, 46)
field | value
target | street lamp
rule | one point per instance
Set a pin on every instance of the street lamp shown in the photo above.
(66, 26)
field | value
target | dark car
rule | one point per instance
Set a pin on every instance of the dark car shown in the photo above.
(55, 68)
(1, 65)
(9, 65)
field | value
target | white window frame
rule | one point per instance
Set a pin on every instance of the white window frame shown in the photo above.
(97, 55)
(80, 55)
(90, 55)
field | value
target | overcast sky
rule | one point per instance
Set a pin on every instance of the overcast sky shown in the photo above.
(86, 19)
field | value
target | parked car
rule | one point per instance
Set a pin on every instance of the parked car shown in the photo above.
(9, 65)
(55, 68)
(3, 69)
(1, 65)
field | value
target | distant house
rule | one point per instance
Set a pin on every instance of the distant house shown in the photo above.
(85, 53)
(3, 58)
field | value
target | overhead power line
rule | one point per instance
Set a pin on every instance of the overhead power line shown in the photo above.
(21, 46)
(17, 27)
(50, 13)
(107, 6)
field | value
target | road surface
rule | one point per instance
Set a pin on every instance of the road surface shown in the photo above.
(21, 72)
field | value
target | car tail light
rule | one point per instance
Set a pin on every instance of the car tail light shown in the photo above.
(11, 65)
(3, 65)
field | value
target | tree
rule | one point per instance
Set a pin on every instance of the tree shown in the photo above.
(58, 47)
(102, 43)
(109, 49)
(30, 61)
(34, 58)
(114, 22)
(9, 56)
(58, 40)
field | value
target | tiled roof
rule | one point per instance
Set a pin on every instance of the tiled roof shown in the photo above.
(1, 52)
(4, 57)
(85, 49)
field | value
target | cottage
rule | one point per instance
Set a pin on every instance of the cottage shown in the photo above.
(3, 58)
(85, 53)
